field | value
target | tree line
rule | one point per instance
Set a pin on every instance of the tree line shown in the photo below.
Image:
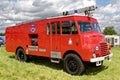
(109, 31)
(2, 34)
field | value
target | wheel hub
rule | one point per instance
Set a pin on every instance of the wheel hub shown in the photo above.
(72, 65)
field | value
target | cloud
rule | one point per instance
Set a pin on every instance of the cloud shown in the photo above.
(23, 10)
(17, 11)
(109, 9)
(109, 15)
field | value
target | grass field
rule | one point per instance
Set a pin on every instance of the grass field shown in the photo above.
(42, 69)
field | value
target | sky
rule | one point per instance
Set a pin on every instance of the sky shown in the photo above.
(17, 11)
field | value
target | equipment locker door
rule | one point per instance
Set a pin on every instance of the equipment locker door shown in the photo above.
(55, 40)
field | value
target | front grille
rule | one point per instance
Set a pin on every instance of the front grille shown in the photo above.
(103, 47)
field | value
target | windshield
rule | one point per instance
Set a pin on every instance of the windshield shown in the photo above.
(87, 27)
(96, 27)
(84, 26)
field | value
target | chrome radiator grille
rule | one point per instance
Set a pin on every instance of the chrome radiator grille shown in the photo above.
(103, 47)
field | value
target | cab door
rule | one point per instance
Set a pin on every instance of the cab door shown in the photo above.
(55, 40)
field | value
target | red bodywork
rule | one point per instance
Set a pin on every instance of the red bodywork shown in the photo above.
(82, 43)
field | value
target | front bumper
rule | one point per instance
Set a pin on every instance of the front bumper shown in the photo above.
(98, 59)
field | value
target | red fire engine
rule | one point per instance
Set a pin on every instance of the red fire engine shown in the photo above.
(74, 39)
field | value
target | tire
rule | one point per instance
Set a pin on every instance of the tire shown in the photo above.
(21, 56)
(73, 64)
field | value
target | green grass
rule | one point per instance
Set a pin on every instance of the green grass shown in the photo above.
(42, 69)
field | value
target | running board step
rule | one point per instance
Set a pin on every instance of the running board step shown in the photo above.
(55, 60)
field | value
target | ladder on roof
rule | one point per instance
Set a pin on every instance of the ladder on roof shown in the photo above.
(87, 11)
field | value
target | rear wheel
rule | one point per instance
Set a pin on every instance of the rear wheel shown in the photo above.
(73, 64)
(21, 56)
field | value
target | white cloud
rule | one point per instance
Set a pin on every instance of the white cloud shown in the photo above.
(24, 10)
(109, 15)
(89, 2)
(109, 9)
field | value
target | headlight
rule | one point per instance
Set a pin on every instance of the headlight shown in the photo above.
(96, 48)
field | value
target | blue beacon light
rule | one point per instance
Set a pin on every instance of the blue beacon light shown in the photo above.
(75, 11)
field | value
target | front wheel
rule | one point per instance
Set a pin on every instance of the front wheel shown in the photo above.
(21, 56)
(73, 64)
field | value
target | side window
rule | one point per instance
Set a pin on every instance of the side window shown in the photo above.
(53, 28)
(48, 29)
(74, 29)
(116, 40)
(69, 27)
(65, 27)
(108, 40)
(58, 27)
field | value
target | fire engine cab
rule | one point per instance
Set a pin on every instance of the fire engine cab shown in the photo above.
(73, 38)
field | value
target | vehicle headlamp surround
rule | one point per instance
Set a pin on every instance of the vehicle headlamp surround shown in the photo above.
(96, 48)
